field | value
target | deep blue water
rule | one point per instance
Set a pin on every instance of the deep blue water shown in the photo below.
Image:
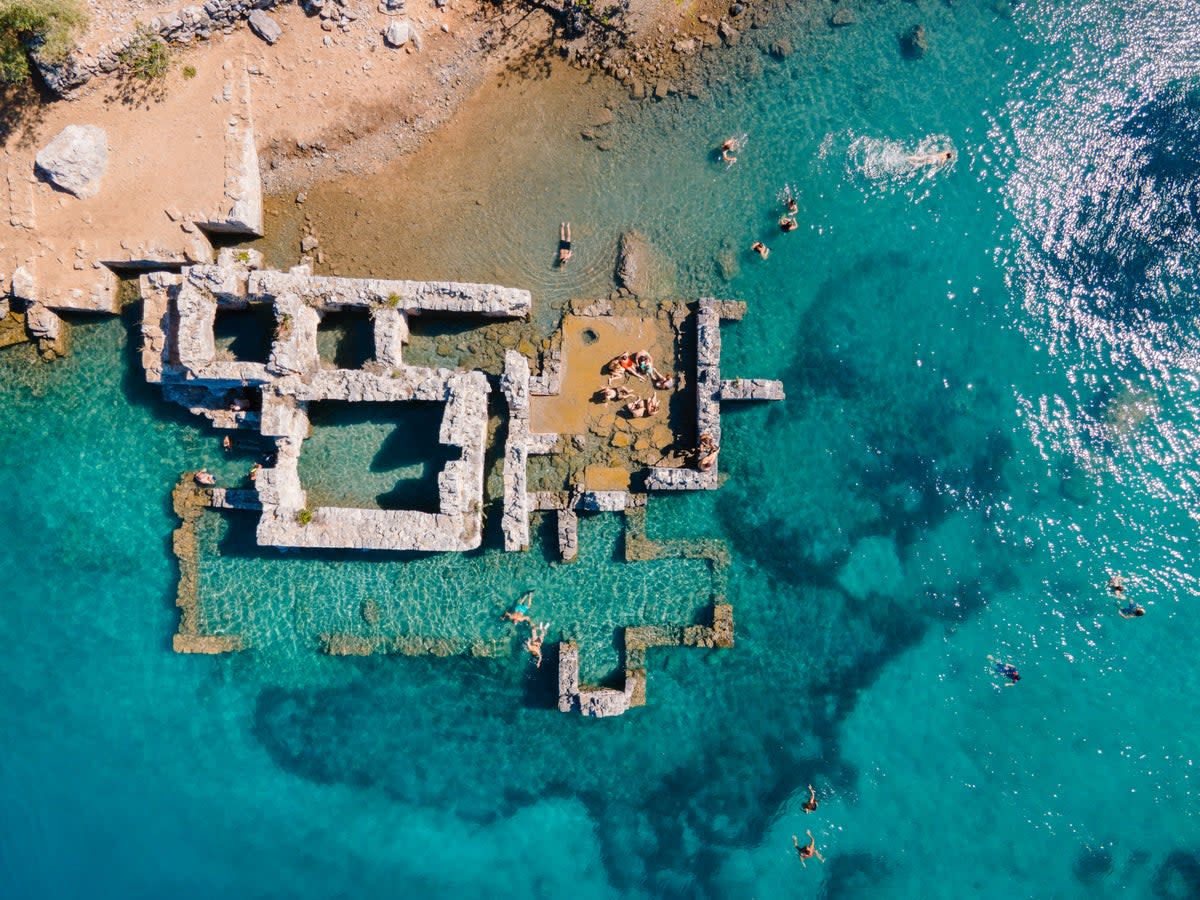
(991, 374)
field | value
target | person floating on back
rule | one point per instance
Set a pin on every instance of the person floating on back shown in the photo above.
(520, 610)
(809, 850)
(810, 805)
(564, 243)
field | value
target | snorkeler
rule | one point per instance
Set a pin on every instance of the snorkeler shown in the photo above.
(809, 850)
(761, 249)
(810, 805)
(1131, 610)
(564, 243)
(1008, 670)
(520, 610)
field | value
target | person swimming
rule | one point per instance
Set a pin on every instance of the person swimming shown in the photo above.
(787, 223)
(727, 150)
(807, 851)
(564, 244)
(937, 160)
(1131, 611)
(1116, 586)
(1008, 670)
(520, 610)
(534, 644)
(810, 805)
(761, 249)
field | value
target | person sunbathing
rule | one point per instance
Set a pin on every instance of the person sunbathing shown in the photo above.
(205, 477)
(706, 453)
(652, 405)
(606, 394)
(662, 382)
(636, 408)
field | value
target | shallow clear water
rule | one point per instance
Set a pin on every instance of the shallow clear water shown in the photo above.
(990, 374)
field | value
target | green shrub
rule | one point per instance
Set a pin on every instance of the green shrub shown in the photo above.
(31, 24)
(189, 71)
(147, 57)
(243, 256)
(393, 300)
(304, 516)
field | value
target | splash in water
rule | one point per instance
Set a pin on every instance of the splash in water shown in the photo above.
(886, 161)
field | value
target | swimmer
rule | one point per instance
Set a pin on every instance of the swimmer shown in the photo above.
(809, 850)
(706, 453)
(937, 160)
(520, 610)
(205, 477)
(1008, 670)
(1116, 586)
(534, 644)
(727, 149)
(227, 443)
(810, 805)
(254, 470)
(790, 203)
(564, 243)
(1131, 611)
(761, 249)
(787, 223)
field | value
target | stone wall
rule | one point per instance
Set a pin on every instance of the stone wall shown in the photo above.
(191, 22)
(515, 385)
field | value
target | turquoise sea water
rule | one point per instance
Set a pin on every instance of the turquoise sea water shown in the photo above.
(991, 374)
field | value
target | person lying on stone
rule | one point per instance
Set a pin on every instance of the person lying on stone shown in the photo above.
(643, 364)
(205, 477)
(706, 453)
(662, 382)
(636, 408)
(621, 366)
(652, 405)
(612, 393)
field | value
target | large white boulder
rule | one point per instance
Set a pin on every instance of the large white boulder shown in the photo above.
(75, 160)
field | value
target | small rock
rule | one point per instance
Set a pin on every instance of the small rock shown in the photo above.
(264, 26)
(781, 49)
(398, 33)
(728, 33)
(308, 243)
(445, 28)
(301, 197)
(737, 9)
(661, 90)
(393, 5)
(75, 160)
(843, 17)
(637, 90)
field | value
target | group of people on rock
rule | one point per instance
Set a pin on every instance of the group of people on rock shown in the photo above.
(537, 630)
(638, 365)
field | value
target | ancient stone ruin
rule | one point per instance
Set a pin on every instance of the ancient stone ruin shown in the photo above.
(272, 398)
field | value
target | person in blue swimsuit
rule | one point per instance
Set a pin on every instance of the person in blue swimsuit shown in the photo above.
(520, 610)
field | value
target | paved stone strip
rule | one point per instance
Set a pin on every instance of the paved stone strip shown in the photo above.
(515, 385)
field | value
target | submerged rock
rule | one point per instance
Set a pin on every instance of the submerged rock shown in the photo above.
(843, 17)
(632, 250)
(75, 160)
(914, 43)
